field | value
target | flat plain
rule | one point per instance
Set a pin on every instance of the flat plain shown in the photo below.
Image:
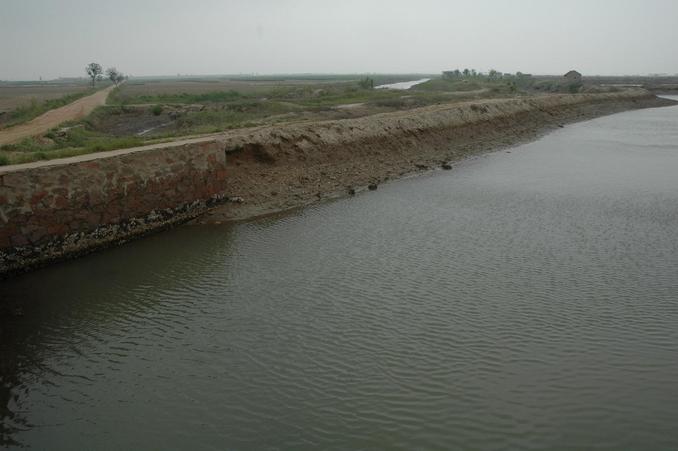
(19, 94)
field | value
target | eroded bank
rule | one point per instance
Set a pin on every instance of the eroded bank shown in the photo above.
(63, 208)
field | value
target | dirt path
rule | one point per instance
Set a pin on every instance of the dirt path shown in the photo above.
(76, 110)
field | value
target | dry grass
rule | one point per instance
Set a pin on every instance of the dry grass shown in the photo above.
(136, 88)
(15, 95)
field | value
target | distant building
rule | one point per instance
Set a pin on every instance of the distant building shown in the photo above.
(572, 77)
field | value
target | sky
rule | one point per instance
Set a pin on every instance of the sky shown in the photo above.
(57, 38)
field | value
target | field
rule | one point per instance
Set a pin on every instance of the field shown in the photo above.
(22, 101)
(146, 110)
(169, 108)
(150, 110)
(21, 94)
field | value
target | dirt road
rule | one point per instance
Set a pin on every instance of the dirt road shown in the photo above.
(76, 110)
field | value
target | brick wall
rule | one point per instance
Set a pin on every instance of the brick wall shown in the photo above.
(51, 210)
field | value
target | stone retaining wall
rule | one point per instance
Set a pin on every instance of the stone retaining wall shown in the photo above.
(64, 208)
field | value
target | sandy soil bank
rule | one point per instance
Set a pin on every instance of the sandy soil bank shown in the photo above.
(272, 169)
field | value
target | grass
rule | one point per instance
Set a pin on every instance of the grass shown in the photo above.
(133, 108)
(466, 85)
(24, 114)
(74, 141)
(118, 98)
(311, 95)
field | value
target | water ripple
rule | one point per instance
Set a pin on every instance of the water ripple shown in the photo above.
(522, 301)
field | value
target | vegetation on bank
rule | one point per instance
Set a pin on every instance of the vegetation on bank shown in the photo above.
(145, 111)
(71, 140)
(470, 79)
(130, 121)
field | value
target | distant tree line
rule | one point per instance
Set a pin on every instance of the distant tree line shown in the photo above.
(513, 81)
(95, 72)
(491, 75)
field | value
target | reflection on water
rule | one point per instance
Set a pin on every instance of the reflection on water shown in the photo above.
(403, 85)
(523, 300)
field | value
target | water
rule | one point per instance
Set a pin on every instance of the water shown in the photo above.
(403, 85)
(523, 300)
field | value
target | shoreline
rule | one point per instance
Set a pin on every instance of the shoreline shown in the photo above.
(292, 183)
(61, 209)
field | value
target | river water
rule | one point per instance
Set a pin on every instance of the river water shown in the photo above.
(402, 85)
(527, 299)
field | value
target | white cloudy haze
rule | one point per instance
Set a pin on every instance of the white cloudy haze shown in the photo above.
(53, 38)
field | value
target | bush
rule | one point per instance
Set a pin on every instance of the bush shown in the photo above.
(4, 160)
(574, 88)
(366, 83)
(156, 110)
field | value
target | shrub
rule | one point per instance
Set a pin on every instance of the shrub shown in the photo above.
(574, 88)
(156, 110)
(366, 83)
(4, 160)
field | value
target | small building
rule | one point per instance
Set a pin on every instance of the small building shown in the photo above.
(572, 77)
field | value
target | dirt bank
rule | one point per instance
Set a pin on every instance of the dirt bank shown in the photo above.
(273, 169)
(51, 210)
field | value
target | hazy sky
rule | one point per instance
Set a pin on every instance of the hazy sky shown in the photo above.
(52, 38)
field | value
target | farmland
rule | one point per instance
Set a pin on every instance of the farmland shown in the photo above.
(20, 94)
(20, 101)
(147, 110)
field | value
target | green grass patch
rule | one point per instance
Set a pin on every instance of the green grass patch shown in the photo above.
(60, 144)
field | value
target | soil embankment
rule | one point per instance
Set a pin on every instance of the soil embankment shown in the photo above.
(278, 168)
(41, 124)
(51, 210)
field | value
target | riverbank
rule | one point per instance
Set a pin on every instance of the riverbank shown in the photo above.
(275, 169)
(505, 304)
(51, 210)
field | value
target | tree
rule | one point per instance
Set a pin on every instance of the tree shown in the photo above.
(94, 71)
(112, 74)
(366, 83)
(120, 78)
(466, 72)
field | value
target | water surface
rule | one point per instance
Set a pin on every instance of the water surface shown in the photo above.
(402, 85)
(527, 299)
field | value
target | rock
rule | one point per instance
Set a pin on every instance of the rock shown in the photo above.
(421, 166)
(236, 199)
(446, 166)
(44, 140)
(372, 186)
(351, 191)
(561, 125)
